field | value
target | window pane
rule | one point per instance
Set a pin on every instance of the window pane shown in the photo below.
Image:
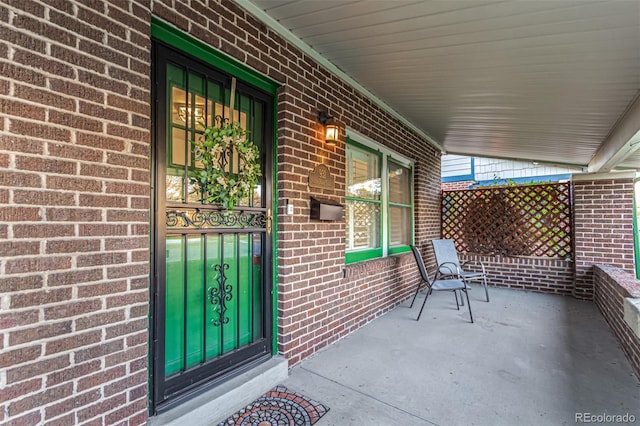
(363, 225)
(363, 174)
(399, 226)
(174, 186)
(399, 184)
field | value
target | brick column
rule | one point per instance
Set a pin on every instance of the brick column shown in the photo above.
(603, 228)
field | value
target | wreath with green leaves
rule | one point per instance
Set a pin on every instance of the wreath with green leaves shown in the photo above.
(213, 152)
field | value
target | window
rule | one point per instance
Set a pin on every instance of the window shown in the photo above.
(400, 208)
(363, 203)
(379, 201)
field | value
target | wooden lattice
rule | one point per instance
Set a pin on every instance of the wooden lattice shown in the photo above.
(528, 220)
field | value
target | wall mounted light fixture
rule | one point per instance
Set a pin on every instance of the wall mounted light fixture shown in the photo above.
(331, 128)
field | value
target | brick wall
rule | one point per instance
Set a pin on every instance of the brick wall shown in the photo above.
(74, 212)
(611, 286)
(457, 186)
(603, 224)
(544, 275)
(74, 194)
(321, 300)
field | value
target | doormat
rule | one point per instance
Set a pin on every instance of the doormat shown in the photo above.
(279, 407)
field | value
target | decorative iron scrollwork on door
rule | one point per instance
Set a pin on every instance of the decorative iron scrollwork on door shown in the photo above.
(212, 218)
(218, 296)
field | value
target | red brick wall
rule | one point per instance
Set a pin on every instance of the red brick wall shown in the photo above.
(74, 201)
(603, 229)
(457, 186)
(320, 300)
(611, 286)
(74, 212)
(544, 275)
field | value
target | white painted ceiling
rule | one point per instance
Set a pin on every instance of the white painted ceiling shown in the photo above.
(543, 80)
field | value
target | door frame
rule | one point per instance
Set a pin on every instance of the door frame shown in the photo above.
(187, 45)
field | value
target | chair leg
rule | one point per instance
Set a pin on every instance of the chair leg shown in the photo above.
(415, 295)
(455, 294)
(426, 296)
(461, 299)
(469, 305)
(486, 291)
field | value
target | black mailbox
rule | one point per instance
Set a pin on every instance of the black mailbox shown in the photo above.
(325, 210)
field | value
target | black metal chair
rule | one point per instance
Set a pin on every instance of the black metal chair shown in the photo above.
(450, 284)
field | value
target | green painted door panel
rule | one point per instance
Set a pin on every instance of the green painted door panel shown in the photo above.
(214, 286)
(213, 342)
(195, 306)
(174, 333)
(214, 266)
(200, 327)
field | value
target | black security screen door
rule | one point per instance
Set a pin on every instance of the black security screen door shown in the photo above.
(213, 267)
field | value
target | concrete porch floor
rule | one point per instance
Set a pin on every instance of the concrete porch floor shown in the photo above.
(529, 359)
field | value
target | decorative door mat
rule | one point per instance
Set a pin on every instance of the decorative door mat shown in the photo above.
(279, 407)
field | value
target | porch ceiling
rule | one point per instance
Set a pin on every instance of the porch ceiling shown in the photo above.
(550, 81)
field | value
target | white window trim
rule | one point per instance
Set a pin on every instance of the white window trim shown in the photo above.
(398, 158)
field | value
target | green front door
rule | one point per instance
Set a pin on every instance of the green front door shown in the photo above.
(212, 304)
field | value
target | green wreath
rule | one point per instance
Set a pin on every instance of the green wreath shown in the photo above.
(215, 180)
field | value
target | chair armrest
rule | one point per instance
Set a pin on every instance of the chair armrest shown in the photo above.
(453, 270)
(484, 272)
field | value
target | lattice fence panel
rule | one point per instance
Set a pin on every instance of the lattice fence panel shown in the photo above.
(529, 220)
